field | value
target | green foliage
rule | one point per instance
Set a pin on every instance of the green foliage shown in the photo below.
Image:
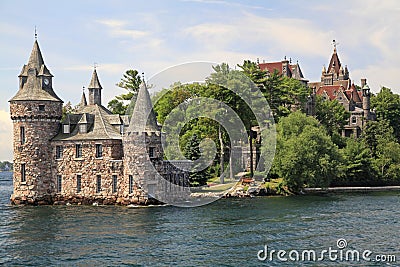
(306, 156)
(387, 107)
(331, 114)
(192, 152)
(283, 94)
(357, 164)
(6, 166)
(67, 109)
(131, 82)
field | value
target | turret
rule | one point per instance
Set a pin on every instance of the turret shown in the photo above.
(36, 112)
(366, 101)
(95, 90)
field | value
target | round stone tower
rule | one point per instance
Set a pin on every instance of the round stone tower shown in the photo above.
(36, 112)
(366, 101)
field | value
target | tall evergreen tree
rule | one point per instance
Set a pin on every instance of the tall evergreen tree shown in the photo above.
(192, 152)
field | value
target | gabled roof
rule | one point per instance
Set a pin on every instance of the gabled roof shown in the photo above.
(100, 121)
(331, 90)
(334, 64)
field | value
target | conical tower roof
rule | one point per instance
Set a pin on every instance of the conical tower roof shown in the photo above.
(143, 117)
(36, 58)
(31, 87)
(95, 83)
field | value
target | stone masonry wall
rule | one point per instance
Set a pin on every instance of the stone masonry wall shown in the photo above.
(40, 126)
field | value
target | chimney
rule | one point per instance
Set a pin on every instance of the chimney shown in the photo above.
(363, 82)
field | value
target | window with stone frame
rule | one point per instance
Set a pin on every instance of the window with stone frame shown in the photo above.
(130, 184)
(78, 151)
(22, 135)
(152, 153)
(59, 183)
(23, 173)
(114, 183)
(78, 183)
(354, 120)
(59, 152)
(98, 183)
(99, 151)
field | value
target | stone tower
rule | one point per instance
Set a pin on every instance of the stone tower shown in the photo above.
(36, 112)
(95, 89)
(366, 101)
(143, 154)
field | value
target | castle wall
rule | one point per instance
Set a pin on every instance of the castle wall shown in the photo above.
(34, 151)
(89, 167)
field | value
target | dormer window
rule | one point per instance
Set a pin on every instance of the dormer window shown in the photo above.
(83, 128)
(66, 128)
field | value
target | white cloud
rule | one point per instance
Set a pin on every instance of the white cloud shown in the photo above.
(6, 139)
(118, 28)
(299, 36)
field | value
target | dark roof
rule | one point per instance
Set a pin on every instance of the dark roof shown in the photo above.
(94, 82)
(143, 117)
(32, 88)
(334, 64)
(100, 123)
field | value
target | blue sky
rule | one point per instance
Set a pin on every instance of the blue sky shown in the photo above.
(153, 35)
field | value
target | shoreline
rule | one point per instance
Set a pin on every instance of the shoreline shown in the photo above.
(351, 189)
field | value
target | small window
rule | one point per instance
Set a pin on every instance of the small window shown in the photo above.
(41, 108)
(98, 184)
(121, 129)
(23, 173)
(22, 134)
(114, 183)
(59, 152)
(83, 128)
(130, 184)
(66, 128)
(59, 183)
(99, 151)
(152, 152)
(353, 120)
(78, 183)
(78, 151)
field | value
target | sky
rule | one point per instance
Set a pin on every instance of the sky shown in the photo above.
(151, 36)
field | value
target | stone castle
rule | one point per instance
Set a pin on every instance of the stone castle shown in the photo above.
(91, 155)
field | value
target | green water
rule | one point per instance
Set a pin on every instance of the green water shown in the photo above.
(229, 232)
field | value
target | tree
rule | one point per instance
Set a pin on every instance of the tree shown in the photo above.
(192, 152)
(357, 165)
(131, 82)
(387, 107)
(306, 156)
(331, 114)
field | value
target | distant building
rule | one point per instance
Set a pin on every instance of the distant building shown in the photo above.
(336, 84)
(90, 155)
(285, 68)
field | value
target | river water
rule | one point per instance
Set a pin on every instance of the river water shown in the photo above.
(228, 232)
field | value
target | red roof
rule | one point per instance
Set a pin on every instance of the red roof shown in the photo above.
(334, 63)
(271, 66)
(331, 90)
